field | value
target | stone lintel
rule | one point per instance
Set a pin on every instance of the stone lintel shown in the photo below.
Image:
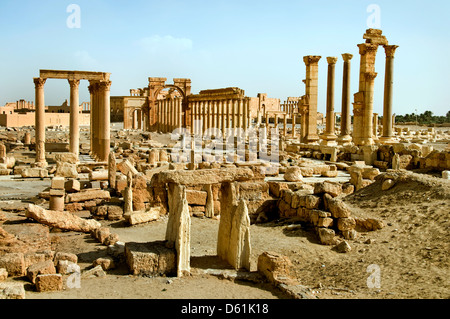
(74, 75)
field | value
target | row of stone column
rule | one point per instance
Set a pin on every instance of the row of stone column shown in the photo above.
(170, 114)
(363, 123)
(220, 114)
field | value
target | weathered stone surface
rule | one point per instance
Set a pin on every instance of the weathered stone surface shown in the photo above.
(125, 167)
(239, 250)
(387, 184)
(338, 208)
(327, 236)
(3, 274)
(66, 157)
(62, 220)
(87, 194)
(369, 224)
(101, 233)
(65, 256)
(150, 259)
(99, 175)
(293, 174)
(334, 189)
(34, 172)
(57, 182)
(178, 230)
(14, 264)
(112, 170)
(12, 290)
(209, 208)
(273, 266)
(46, 267)
(115, 212)
(66, 170)
(97, 271)
(446, 175)
(105, 263)
(343, 247)
(49, 282)
(207, 176)
(194, 197)
(140, 217)
(346, 223)
(65, 267)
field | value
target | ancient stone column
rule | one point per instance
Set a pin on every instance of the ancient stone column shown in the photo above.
(363, 107)
(293, 120)
(91, 116)
(375, 126)
(40, 122)
(74, 128)
(128, 195)
(192, 107)
(240, 113)
(233, 113)
(223, 105)
(180, 113)
(329, 138)
(311, 81)
(284, 124)
(388, 135)
(245, 115)
(346, 120)
(105, 121)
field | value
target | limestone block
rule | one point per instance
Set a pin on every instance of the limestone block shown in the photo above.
(327, 236)
(57, 182)
(64, 169)
(115, 212)
(276, 187)
(46, 267)
(65, 267)
(49, 282)
(72, 186)
(343, 247)
(99, 175)
(140, 217)
(369, 224)
(346, 223)
(87, 195)
(209, 176)
(60, 219)
(446, 174)
(65, 256)
(196, 197)
(338, 208)
(106, 263)
(12, 290)
(34, 172)
(293, 174)
(125, 167)
(334, 189)
(178, 230)
(325, 222)
(150, 259)
(14, 263)
(274, 266)
(387, 184)
(66, 157)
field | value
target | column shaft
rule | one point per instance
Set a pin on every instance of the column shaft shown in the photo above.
(40, 121)
(74, 129)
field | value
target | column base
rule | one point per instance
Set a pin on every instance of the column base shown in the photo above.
(344, 140)
(311, 139)
(388, 140)
(41, 164)
(328, 140)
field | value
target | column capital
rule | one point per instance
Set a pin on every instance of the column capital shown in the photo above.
(93, 87)
(39, 83)
(365, 48)
(104, 85)
(370, 76)
(311, 59)
(390, 50)
(347, 57)
(332, 59)
(74, 83)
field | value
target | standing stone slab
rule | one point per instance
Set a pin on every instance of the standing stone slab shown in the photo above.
(179, 227)
(239, 250)
(112, 170)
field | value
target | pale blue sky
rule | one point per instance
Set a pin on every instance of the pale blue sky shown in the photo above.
(255, 45)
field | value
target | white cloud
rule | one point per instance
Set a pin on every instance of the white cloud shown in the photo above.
(165, 45)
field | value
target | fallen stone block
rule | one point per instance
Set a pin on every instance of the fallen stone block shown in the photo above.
(87, 194)
(61, 219)
(34, 172)
(327, 236)
(49, 282)
(66, 157)
(12, 290)
(58, 182)
(72, 186)
(274, 266)
(334, 189)
(14, 264)
(100, 175)
(150, 259)
(65, 267)
(65, 256)
(125, 166)
(97, 271)
(343, 247)
(338, 208)
(106, 263)
(64, 169)
(143, 216)
(293, 174)
(34, 270)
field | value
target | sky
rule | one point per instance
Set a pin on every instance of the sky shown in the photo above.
(257, 46)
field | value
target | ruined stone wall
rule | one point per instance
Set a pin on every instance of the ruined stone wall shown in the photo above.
(28, 119)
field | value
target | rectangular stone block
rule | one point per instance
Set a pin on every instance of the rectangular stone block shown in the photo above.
(49, 282)
(196, 197)
(34, 172)
(12, 290)
(72, 186)
(87, 195)
(14, 263)
(46, 267)
(58, 182)
(151, 259)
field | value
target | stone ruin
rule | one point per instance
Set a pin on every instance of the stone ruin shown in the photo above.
(138, 180)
